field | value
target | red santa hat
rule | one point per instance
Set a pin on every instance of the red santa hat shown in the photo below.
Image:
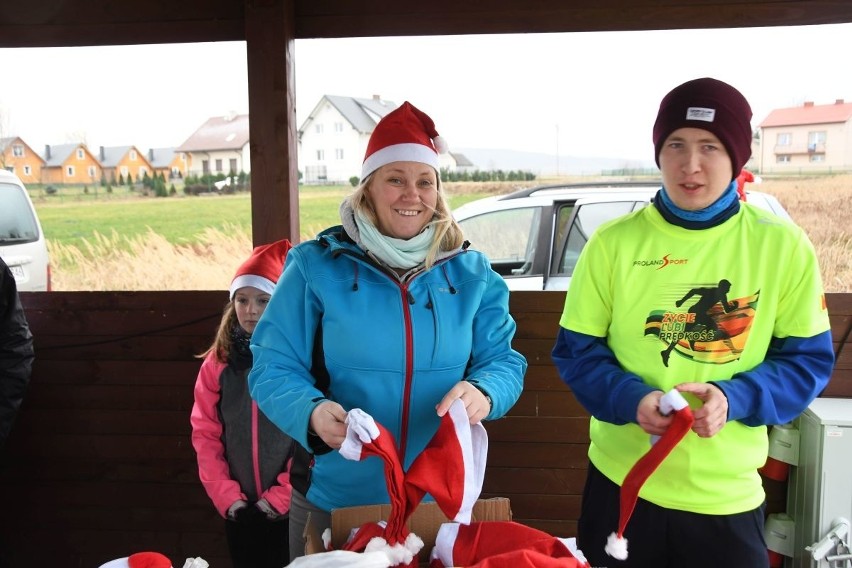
(140, 560)
(451, 468)
(406, 134)
(502, 544)
(262, 269)
(662, 446)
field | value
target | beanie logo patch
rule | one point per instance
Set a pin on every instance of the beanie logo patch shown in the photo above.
(701, 113)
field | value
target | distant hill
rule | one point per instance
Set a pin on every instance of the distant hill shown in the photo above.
(545, 164)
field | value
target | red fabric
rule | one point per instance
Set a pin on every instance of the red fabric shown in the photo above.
(646, 465)
(148, 560)
(262, 268)
(404, 125)
(498, 544)
(447, 469)
(744, 177)
(451, 468)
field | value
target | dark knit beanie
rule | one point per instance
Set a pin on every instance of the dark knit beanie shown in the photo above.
(711, 105)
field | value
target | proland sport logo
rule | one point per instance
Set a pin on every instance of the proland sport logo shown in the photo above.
(659, 263)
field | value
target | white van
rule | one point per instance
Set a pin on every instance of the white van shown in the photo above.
(22, 245)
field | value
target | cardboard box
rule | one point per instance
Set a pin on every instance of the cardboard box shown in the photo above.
(424, 522)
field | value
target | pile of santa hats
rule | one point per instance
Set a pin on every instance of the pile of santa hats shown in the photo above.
(451, 469)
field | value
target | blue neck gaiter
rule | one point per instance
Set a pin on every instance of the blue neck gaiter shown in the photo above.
(714, 214)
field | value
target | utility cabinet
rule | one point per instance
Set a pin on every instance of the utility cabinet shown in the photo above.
(820, 487)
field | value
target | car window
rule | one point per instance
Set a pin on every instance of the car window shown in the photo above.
(17, 223)
(507, 238)
(588, 218)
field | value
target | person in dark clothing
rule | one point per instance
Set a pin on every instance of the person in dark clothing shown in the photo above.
(16, 352)
(16, 360)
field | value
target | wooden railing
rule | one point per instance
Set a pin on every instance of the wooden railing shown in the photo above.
(99, 464)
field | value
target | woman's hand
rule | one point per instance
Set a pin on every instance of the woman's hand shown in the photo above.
(713, 414)
(475, 401)
(328, 421)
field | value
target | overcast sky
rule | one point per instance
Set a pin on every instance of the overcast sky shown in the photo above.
(585, 94)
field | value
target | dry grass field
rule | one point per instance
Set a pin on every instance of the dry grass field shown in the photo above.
(821, 205)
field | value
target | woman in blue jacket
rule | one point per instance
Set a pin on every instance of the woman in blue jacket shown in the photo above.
(390, 313)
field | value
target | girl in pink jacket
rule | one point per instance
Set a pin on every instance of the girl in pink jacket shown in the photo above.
(243, 459)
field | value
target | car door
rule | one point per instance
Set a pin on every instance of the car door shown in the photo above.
(512, 239)
(585, 216)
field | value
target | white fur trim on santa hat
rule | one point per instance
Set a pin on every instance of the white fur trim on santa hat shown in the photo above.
(400, 554)
(253, 280)
(408, 152)
(616, 547)
(343, 559)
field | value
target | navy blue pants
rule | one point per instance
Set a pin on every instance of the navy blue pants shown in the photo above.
(667, 538)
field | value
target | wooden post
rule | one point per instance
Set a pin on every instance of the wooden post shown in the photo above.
(270, 45)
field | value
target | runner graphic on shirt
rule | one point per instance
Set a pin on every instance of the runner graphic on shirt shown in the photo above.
(712, 330)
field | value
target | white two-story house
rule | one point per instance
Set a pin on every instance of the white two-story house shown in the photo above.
(333, 139)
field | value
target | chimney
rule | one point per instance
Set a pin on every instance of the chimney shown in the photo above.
(47, 151)
(377, 98)
(102, 154)
(150, 154)
(838, 101)
(809, 104)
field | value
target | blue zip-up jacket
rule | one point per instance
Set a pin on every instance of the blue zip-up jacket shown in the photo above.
(392, 348)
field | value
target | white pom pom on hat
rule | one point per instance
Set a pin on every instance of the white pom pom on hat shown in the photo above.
(406, 134)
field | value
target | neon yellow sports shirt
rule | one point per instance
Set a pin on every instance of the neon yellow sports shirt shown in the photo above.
(679, 305)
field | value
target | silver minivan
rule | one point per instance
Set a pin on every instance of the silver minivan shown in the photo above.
(22, 244)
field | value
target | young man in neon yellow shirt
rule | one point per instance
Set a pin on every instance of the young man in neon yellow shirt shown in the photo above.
(709, 295)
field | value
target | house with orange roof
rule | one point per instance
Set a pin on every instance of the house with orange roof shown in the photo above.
(118, 162)
(219, 146)
(166, 161)
(17, 157)
(70, 164)
(807, 138)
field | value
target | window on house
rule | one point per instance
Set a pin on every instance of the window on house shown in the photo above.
(142, 171)
(183, 157)
(218, 165)
(80, 154)
(320, 155)
(28, 171)
(338, 153)
(91, 171)
(784, 139)
(318, 128)
(782, 158)
(69, 171)
(232, 164)
(18, 151)
(338, 127)
(124, 171)
(817, 137)
(817, 158)
(133, 155)
(205, 166)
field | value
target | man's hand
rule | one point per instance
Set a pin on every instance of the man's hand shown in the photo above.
(328, 421)
(649, 417)
(713, 414)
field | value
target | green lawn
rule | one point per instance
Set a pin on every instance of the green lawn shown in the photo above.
(182, 219)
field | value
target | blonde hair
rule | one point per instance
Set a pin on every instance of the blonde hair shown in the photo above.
(448, 233)
(221, 345)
